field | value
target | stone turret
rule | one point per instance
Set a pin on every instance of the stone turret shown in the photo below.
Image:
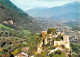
(42, 42)
(44, 33)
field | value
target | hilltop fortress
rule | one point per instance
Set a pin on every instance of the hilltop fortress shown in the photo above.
(51, 41)
(51, 37)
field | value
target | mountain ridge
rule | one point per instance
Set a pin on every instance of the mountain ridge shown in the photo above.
(56, 12)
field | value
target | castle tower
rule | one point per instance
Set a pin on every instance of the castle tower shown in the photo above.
(44, 35)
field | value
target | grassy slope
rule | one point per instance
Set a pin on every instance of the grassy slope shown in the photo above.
(17, 40)
(5, 27)
(13, 42)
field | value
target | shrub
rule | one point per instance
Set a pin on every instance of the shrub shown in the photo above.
(51, 31)
(15, 52)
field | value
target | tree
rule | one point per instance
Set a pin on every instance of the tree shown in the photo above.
(51, 31)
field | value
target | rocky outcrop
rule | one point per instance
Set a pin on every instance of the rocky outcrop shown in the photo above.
(8, 22)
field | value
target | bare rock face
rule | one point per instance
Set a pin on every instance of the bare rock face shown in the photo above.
(8, 22)
(11, 22)
(5, 22)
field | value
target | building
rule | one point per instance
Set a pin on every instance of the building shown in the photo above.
(64, 42)
(47, 38)
(22, 55)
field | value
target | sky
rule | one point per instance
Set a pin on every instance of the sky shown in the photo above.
(29, 4)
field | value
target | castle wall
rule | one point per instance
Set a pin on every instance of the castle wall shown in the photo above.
(57, 43)
(46, 41)
(66, 41)
(39, 49)
(67, 45)
(66, 38)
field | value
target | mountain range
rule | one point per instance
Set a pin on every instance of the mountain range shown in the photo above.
(8, 11)
(67, 11)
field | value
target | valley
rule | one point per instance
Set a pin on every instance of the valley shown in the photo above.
(39, 32)
(62, 25)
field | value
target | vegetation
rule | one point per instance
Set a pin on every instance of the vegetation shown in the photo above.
(3, 27)
(76, 55)
(33, 41)
(44, 54)
(58, 54)
(15, 52)
(68, 27)
(51, 31)
(75, 47)
(55, 54)
(74, 25)
(12, 44)
(14, 40)
(58, 38)
(8, 11)
(13, 37)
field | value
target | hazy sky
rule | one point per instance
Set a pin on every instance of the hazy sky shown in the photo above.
(28, 4)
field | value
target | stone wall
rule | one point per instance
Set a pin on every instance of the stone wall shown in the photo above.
(58, 43)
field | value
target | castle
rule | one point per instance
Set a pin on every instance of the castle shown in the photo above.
(48, 36)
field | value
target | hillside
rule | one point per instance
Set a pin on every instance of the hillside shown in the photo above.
(12, 41)
(68, 11)
(8, 11)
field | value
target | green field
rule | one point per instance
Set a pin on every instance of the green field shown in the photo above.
(3, 27)
(68, 27)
